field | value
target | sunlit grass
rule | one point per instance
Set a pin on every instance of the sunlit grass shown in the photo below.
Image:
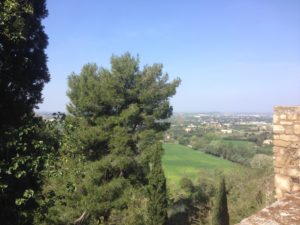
(180, 161)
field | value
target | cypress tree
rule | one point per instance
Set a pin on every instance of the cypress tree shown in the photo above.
(23, 69)
(220, 210)
(23, 72)
(157, 205)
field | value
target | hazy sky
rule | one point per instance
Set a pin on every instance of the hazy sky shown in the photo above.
(232, 55)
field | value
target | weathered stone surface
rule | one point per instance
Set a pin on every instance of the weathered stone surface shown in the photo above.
(283, 182)
(278, 129)
(288, 137)
(292, 117)
(275, 119)
(286, 149)
(280, 162)
(296, 187)
(286, 123)
(282, 212)
(279, 193)
(281, 143)
(279, 150)
(292, 172)
(297, 129)
(289, 130)
(295, 145)
(282, 117)
(276, 137)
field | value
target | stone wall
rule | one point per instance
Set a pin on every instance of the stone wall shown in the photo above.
(286, 133)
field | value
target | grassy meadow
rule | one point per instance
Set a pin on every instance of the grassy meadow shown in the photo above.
(179, 161)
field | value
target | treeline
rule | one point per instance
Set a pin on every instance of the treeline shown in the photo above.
(239, 151)
(257, 138)
(177, 133)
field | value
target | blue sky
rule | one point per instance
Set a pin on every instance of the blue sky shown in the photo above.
(232, 55)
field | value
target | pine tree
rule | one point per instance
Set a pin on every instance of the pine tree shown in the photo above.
(220, 210)
(23, 72)
(117, 116)
(158, 205)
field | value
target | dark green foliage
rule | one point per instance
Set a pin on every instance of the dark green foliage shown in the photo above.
(186, 184)
(113, 133)
(250, 190)
(220, 210)
(24, 143)
(236, 151)
(158, 205)
(25, 151)
(23, 69)
(192, 203)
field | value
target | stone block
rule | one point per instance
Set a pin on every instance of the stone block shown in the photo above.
(290, 138)
(277, 170)
(276, 136)
(275, 118)
(279, 151)
(295, 180)
(289, 130)
(283, 182)
(296, 187)
(283, 117)
(292, 172)
(292, 117)
(278, 163)
(281, 143)
(278, 129)
(292, 161)
(281, 161)
(286, 123)
(295, 145)
(279, 193)
(297, 129)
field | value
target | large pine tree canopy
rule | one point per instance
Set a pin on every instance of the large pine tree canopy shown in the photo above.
(117, 116)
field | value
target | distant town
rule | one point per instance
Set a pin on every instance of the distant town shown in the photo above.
(241, 126)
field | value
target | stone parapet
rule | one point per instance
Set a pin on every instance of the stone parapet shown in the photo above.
(286, 135)
(282, 212)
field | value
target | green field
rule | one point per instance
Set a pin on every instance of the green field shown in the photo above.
(179, 161)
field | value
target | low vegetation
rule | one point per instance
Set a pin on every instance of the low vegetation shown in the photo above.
(192, 181)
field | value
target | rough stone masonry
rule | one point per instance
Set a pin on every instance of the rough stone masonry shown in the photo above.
(286, 210)
(286, 135)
